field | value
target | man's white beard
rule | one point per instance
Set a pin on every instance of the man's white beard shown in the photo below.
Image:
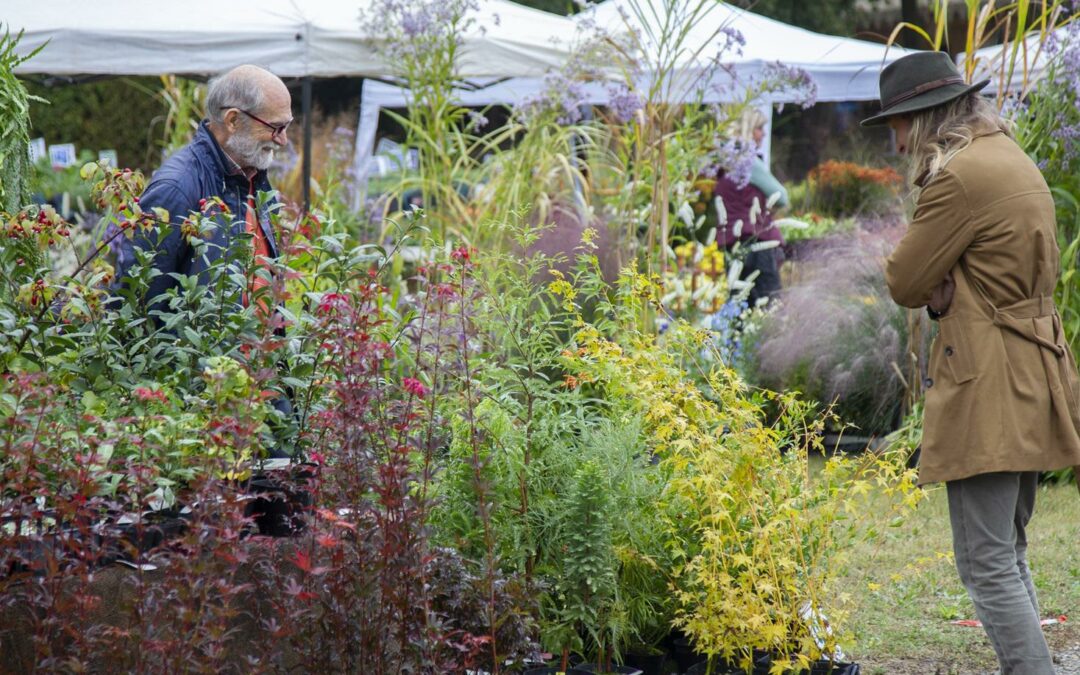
(250, 152)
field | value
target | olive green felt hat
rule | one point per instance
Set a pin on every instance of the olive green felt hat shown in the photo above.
(919, 81)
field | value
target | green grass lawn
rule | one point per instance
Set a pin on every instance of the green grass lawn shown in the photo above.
(908, 591)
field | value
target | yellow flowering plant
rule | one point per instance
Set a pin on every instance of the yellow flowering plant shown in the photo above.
(756, 534)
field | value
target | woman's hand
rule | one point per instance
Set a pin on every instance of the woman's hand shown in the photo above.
(941, 297)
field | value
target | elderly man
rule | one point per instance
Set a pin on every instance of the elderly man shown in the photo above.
(249, 112)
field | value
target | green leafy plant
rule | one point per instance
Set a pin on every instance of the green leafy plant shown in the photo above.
(753, 539)
(811, 226)
(185, 101)
(1047, 124)
(15, 166)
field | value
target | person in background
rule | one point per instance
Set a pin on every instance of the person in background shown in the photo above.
(981, 255)
(248, 112)
(744, 216)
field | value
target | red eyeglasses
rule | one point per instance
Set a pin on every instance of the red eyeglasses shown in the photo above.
(277, 130)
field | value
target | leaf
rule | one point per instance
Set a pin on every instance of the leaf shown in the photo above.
(193, 336)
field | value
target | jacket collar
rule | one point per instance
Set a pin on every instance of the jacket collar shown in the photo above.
(922, 178)
(223, 164)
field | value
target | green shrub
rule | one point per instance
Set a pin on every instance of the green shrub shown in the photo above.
(842, 189)
(15, 102)
(119, 114)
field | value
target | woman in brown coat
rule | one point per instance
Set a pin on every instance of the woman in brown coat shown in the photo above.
(1001, 397)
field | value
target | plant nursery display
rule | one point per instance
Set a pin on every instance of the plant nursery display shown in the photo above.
(534, 423)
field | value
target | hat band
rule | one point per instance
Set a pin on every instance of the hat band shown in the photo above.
(922, 89)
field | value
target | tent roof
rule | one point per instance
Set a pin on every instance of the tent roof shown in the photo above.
(845, 69)
(291, 38)
(766, 39)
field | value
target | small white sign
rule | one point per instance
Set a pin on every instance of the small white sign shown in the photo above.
(37, 149)
(62, 156)
(107, 157)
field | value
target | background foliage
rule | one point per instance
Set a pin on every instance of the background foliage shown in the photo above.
(123, 114)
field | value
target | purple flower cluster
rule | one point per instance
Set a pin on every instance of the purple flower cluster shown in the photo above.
(731, 39)
(624, 103)
(408, 29)
(733, 157)
(1069, 137)
(792, 81)
(726, 326)
(1014, 108)
(1063, 48)
(340, 147)
(563, 94)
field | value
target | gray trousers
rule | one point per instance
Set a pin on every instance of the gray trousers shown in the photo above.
(989, 514)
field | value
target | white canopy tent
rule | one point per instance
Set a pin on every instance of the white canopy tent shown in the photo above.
(843, 69)
(291, 38)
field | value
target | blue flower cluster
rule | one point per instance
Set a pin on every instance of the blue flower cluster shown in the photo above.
(726, 326)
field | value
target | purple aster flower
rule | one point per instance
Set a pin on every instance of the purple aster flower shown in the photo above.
(790, 80)
(734, 157)
(731, 39)
(1069, 136)
(561, 95)
(624, 103)
(415, 31)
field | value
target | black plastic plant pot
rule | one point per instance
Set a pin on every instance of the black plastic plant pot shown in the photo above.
(275, 515)
(762, 662)
(834, 668)
(281, 501)
(719, 667)
(685, 656)
(551, 670)
(152, 532)
(614, 670)
(650, 663)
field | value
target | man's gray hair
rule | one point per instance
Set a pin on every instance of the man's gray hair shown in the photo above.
(237, 88)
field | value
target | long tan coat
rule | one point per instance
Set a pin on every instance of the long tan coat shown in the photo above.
(1002, 392)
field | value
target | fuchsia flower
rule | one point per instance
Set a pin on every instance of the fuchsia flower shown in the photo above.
(414, 387)
(462, 254)
(148, 394)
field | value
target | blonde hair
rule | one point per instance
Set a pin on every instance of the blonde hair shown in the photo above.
(940, 133)
(751, 119)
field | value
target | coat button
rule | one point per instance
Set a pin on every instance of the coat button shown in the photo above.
(948, 351)
(928, 382)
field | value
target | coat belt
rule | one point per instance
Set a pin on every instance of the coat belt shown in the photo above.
(1020, 319)
(1016, 317)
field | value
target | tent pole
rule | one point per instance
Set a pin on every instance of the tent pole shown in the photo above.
(359, 191)
(306, 98)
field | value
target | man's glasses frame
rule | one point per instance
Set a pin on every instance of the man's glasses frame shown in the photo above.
(277, 130)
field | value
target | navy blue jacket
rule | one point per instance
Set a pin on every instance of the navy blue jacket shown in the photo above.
(197, 171)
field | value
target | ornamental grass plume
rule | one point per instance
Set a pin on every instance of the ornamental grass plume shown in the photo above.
(837, 336)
